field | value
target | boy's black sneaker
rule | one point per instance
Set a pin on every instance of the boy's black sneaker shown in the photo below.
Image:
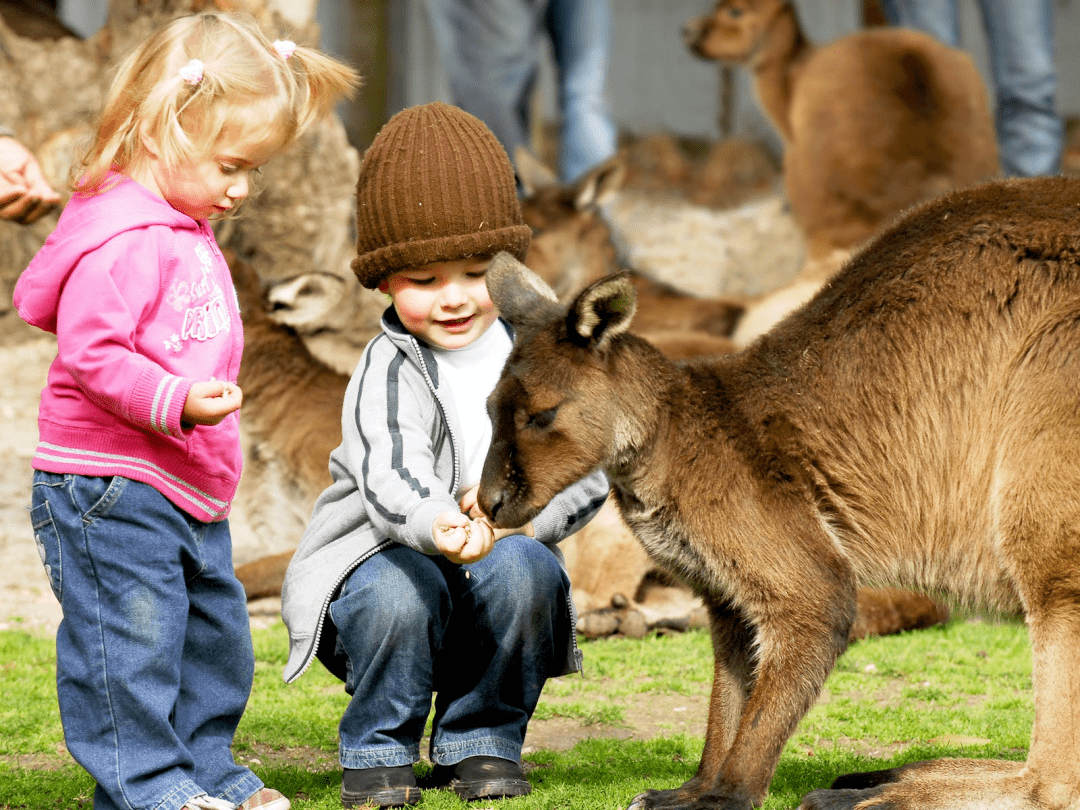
(379, 787)
(480, 778)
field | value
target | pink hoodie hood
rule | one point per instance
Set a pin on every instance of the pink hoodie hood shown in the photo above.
(93, 221)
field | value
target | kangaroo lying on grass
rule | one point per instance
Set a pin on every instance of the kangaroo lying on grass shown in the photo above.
(872, 123)
(573, 246)
(917, 422)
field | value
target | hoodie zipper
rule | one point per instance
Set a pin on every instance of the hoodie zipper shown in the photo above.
(456, 477)
(325, 610)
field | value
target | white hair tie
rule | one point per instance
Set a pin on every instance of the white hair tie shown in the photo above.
(192, 72)
(284, 47)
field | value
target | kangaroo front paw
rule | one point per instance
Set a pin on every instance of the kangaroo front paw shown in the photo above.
(682, 800)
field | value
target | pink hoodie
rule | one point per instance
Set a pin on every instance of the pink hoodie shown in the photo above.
(142, 304)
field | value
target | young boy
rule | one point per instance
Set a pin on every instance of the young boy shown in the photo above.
(398, 585)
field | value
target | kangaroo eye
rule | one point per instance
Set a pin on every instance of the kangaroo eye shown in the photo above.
(542, 419)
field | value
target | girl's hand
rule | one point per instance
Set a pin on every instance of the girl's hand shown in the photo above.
(460, 539)
(209, 402)
(471, 508)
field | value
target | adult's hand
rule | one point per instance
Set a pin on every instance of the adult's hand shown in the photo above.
(25, 194)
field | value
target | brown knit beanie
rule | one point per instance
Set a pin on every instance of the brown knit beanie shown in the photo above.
(435, 185)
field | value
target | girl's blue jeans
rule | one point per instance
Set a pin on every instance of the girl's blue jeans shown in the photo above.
(154, 661)
(482, 637)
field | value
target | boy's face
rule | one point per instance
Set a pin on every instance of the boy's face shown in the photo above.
(445, 304)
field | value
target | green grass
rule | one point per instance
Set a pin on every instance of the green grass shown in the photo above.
(961, 689)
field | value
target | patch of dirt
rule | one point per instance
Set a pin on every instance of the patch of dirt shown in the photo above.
(644, 718)
(26, 600)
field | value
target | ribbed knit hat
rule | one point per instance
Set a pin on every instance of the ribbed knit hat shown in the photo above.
(435, 185)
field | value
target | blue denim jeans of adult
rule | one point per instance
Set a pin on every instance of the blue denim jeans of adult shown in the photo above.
(580, 33)
(492, 51)
(482, 637)
(1020, 41)
(154, 661)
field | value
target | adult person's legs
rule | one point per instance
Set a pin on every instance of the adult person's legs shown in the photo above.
(580, 33)
(939, 18)
(1020, 41)
(1020, 38)
(491, 51)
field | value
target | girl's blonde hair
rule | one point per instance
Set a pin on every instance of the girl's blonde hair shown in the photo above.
(269, 89)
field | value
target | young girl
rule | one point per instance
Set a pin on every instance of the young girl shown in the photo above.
(139, 451)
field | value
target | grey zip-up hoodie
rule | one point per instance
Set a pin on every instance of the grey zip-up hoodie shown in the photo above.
(396, 469)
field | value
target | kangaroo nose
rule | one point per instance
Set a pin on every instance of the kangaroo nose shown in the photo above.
(490, 504)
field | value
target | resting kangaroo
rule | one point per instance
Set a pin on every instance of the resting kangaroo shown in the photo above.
(872, 123)
(917, 423)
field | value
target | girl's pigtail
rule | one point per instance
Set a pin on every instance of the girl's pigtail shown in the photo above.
(321, 82)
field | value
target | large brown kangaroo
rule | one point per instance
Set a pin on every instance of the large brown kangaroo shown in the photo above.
(917, 422)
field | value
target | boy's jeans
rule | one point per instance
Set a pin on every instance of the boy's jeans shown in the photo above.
(154, 661)
(484, 637)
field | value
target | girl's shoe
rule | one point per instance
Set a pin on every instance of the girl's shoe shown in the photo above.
(206, 802)
(265, 799)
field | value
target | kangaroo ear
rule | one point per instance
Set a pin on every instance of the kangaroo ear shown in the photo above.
(518, 293)
(602, 310)
(533, 175)
(600, 184)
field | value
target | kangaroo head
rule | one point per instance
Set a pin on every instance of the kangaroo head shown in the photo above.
(735, 30)
(555, 407)
(572, 244)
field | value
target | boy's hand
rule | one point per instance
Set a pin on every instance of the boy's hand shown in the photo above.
(209, 402)
(461, 540)
(472, 509)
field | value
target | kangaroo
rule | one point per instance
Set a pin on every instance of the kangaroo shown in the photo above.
(871, 123)
(291, 420)
(573, 246)
(916, 423)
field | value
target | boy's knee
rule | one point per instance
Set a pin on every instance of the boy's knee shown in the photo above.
(528, 570)
(388, 597)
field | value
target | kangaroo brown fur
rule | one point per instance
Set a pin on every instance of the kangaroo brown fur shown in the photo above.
(289, 423)
(573, 247)
(916, 423)
(872, 122)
